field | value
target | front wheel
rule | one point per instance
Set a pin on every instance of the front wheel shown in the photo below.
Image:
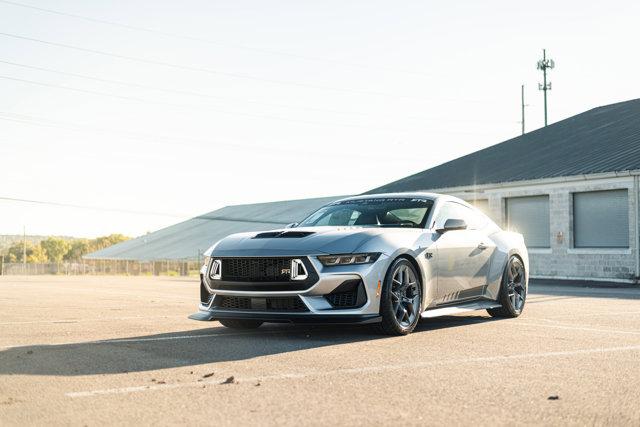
(513, 291)
(241, 323)
(401, 299)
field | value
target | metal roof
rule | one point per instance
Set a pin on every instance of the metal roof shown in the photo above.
(604, 139)
(188, 239)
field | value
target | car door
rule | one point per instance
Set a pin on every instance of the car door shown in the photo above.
(463, 256)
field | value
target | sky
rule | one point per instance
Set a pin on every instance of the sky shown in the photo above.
(132, 116)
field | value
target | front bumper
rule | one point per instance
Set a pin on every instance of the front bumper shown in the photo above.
(318, 308)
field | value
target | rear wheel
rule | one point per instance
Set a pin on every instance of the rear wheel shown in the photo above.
(241, 323)
(401, 299)
(513, 292)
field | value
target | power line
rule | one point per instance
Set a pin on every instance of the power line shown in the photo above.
(95, 208)
(202, 40)
(207, 70)
(194, 107)
(190, 93)
(174, 91)
(134, 212)
(144, 137)
(215, 97)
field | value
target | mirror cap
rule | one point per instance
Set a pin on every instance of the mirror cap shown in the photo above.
(453, 224)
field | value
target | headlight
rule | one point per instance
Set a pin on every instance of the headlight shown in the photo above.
(207, 260)
(348, 259)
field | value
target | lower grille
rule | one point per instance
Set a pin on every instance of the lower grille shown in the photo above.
(350, 294)
(282, 304)
(344, 299)
(205, 296)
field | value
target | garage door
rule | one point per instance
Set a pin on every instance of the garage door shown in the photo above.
(601, 219)
(530, 217)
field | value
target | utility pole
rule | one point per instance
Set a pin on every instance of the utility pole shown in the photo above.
(24, 250)
(522, 106)
(543, 65)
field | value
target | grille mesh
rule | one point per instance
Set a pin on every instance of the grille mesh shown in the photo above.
(284, 304)
(343, 299)
(256, 269)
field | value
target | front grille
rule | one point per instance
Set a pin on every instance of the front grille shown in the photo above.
(281, 304)
(256, 269)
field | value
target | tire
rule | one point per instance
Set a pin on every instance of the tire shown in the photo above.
(401, 299)
(241, 323)
(513, 290)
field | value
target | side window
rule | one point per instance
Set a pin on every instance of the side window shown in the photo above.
(477, 220)
(448, 211)
(473, 219)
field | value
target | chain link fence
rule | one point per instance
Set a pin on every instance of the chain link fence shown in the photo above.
(108, 267)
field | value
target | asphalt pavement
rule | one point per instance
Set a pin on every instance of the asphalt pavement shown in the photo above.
(120, 350)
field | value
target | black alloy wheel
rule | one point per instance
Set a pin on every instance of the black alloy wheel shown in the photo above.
(401, 299)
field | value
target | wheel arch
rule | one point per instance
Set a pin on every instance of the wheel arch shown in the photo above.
(416, 266)
(523, 259)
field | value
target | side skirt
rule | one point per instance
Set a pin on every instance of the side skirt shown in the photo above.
(459, 308)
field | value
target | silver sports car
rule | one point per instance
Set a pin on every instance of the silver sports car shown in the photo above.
(387, 259)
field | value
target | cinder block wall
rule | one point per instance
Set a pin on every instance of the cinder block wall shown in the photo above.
(562, 260)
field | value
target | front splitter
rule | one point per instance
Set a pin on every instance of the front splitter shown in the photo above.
(305, 318)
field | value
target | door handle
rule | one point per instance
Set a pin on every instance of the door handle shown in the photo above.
(482, 246)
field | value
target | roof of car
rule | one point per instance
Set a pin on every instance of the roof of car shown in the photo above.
(422, 194)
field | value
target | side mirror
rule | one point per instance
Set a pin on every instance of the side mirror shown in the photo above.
(453, 224)
(291, 225)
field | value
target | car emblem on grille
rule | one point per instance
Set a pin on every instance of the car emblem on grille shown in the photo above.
(285, 271)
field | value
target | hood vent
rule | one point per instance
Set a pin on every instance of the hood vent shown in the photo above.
(282, 234)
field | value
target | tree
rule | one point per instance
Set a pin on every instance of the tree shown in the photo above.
(78, 249)
(15, 251)
(37, 255)
(106, 241)
(55, 248)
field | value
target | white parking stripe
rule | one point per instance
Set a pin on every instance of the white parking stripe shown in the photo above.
(169, 338)
(578, 328)
(362, 370)
(605, 313)
(104, 319)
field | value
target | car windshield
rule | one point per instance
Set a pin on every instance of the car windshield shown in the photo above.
(376, 212)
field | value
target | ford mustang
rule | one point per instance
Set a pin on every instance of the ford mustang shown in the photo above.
(388, 260)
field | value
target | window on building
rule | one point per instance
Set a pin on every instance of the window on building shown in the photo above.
(481, 204)
(601, 219)
(530, 217)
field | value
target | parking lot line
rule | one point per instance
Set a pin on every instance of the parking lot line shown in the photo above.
(578, 328)
(104, 319)
(171, 338)
(362, 370)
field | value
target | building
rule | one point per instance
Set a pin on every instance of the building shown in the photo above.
(570, 188)
(186, 241)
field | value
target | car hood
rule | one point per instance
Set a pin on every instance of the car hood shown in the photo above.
(301, 241)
